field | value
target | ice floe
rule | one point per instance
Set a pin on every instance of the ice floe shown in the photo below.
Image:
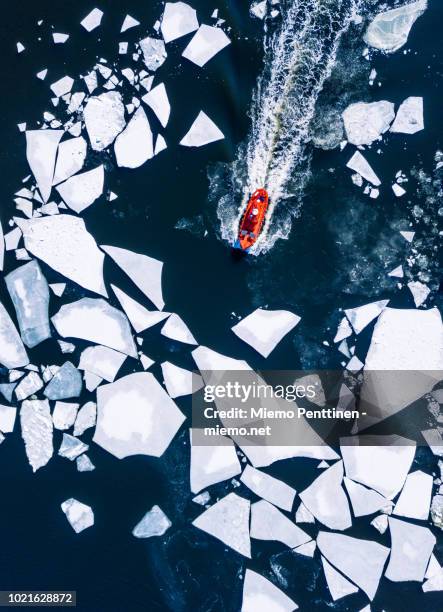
(273, 490)
(84, 464)
(337, 584)
(268, 523)
(264, 329)
(140, 317)
(157, 99)
(202, 132)
(176, 329)
(30, 295)
(179, 381)
(362, 561)
(317, 498)
(303, 515)
(64, 415)
(102, 361)
(134, 146)
(63, 86)
(154, 523)
(411, 548)
(135, 416)
(261, 595)
(397, 272)
(104, 119)
(81, 190)
(41, 151)
(66, 383)
(79, 515)
(228, 521)
(36, 426)
(12, 351)
(71, 447)
(154, 52)
(415, 498)
(92, 20)
(361, 316)
(70, 158)
(205, 43)
(65, 245)
(409, 118)
(258, 9)
(7, 418)
(365, 122)
(129, 22)
(419, 291)
(28, 385)
(389, 31)
(178, 20)
(364, 501)
(86, 418)
(212, 464)
(144, 271)
(59, 38)
(359, 164)
(344, 330)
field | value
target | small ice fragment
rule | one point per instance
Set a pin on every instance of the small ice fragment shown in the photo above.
(397, 272)
(104, 119)
(129, 22)
(21, 127)
(258, 9)
(415, 498)
(179, 381)
(409, 118)
(92, 20)
(212, 464)
(205, 43)
(81, 190)
(202, 132)
(12, 351)
(273, 490)
(380, 523)
(7, 390)
(101, 361)
(122, 48)
(140, 317)
(144, 271)
(260, 594)
(12, 239)
(20, 47)
(66, 347)
(30, 295)
(91, 80)
(154, 523)
(74, 105)
(36, 425)
(70, 159)
(134, 146)
(337, 584)
(398, 190)
(42, 74)
(59, 38)
(84, 464)
(365, 122)
(303, 515)
(64, 415)
(95, 320)
(264, 329)
(228, 521)
(361, 316)
(411, 548)
(364, 501)
(28, 385)
(176, 329)
(178, 20)
(160, 145)
(419, 291)
(71, 447)
(80, 516)
(202, 499)
(58, 288)
(86, 418)
(62, 86)
(65, 384)
(389, 30)
(41, 150)
(408, 236)
(157, 99)
(7, 418)
(359, 164)
(135, 416)
(268, 523)
(154, 52)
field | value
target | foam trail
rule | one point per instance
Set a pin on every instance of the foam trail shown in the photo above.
(299, 57)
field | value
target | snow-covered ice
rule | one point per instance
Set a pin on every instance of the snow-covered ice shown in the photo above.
(178, 20)
(273, 490)
(264, 329)
(344, 330)
(258, 9)
(364, 501)
(411, 548)
(409, 118)
(415, 498)
(261, 595)
(129, 22)
(64, 415)
(389, 30)
(28, 385)
(140, 317)
(63, 86)
(212, 464)
(12, 351)
(66, 383)
(154, 523)
(419, 291)
(365, 122)
(157, 100)
(84, 464)
(397, 272)
(86, 418)
(205, 43)
(202, 132)
(176, 329)
(36, 426)
(59, 38)
(361, 316)
(41, 151)
(135, 416)
(359, 164)
(134, 146)
(81, 190)
(154, 52)
(7, 418)
(79, 515)
(104, 119)
(303, 515)
(92, 20)
(337, 584)
(95, 320)
(71, 447)
(102, 361)
(268, 523)
(398, 190)
(179, 381)
(70, 158)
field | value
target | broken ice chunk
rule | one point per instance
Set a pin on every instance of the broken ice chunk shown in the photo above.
(415, 498)
(268, 523)
(70, 159)
(362, 561)
(398, 190)
(104, 119)
(62, 86)
(59, 38)
(129, 22)
(361, 316)
(144, 271)
(7, 418)
(380, 523)
(140, 317)
(36, 425)
(409, 118)
(179, 381)
(364, 501)
(12, 351)
(63, 243)
(7, 389)
(154, 52)
(178, 20)
(160, 145)
(12, 239)
(92, 20)
(264, 329)
(80, 516)
(29, 385)
(81, 190)
(212, 464)
(86, 418)
(359, 164)
(202, 132)
(30, 295)
(135, 416)
(154, 523)
(102, 361)
(84, 464)
(134, 146)
(66, 383)
(71, 447)
(317, 498)
(205, 43)
(228, 521)
(389, 31)
(20, 47)
(41, 150)
(273, 490)
(176, 329)
(58, 288)
(365, 122)
(157, 99)
(397, 272)
(337, 584)
(258, 9)
(303, 515)
(95, 320)
(64, 415)
(419, 292)
(260, 595)
(408, 236)
(411, 548)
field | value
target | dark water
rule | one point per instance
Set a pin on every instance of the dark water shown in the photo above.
(340, 248)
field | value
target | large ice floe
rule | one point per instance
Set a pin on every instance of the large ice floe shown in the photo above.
(212, 464)
(409, 117)
(41, 151)
(268, 523)
(178, 20)
(135, 416)
(365, 122)
(134, 146)
(205, 43)
(411, 548)
(157, 100)
(154, 52)
(264, 329)
(70, 158)
(104, 119)
(260, 595)
(389, 31)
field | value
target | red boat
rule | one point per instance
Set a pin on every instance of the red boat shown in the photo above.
(253, 220)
